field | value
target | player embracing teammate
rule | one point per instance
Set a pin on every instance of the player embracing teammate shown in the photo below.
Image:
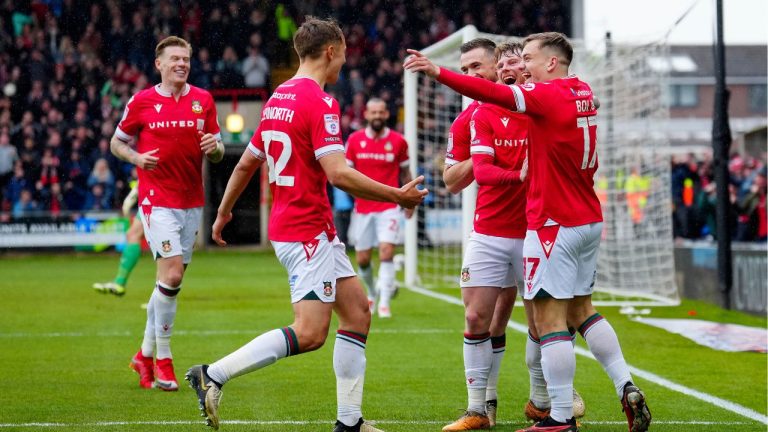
(564, 219)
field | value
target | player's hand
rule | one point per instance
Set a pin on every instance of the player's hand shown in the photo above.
(210, 146)
(146, 161)
(218, 226)
(409, 213)
(410, 196)
(524, 170)
(417, 62)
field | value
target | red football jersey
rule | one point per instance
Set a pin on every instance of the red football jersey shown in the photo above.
(458, 137)
(501, 135)
(380, 158)
(159, 121)
(562, 158)
(299, 125)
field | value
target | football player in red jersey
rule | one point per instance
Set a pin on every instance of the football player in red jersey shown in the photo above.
(381, 154)
(174, 125)
(300, 138)
(564, 220)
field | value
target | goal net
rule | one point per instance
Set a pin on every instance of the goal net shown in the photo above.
(636, 259)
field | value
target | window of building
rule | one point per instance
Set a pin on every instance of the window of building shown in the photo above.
(683, 95)
(757, 98)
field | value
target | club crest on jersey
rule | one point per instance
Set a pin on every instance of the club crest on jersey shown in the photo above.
(327, 288)
(504, 121)
(465, 274)
(166, 246)
(388, 146)
(196, 107)
(362, 144)
(331, 123)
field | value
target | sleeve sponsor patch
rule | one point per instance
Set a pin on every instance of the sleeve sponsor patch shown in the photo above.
(332, 125)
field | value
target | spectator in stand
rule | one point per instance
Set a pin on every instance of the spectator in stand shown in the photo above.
(75, 181)
(16, 184)
(228, 70)
(25, 206)
(286, 27)
(203, 70)
(8, 158)
(102, 177)
(752, 211)
(255, 68)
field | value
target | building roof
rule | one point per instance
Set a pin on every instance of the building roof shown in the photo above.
(740, 61)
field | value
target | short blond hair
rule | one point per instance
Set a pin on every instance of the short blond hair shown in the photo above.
(557, 41)
(171, 41)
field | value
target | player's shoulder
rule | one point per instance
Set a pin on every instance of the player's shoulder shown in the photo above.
(310, 92)
(143, 96)
(395, 135)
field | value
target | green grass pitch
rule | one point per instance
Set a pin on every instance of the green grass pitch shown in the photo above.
(66, 351)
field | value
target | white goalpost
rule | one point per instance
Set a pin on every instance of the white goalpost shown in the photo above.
(636, 258)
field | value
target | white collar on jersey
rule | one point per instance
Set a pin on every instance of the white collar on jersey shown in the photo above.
(370, 134)
(162, 92)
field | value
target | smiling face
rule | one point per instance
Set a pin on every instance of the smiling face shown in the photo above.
(538, 62)
(478, 63)
(337, 56)
(510, 68)
(173, 65)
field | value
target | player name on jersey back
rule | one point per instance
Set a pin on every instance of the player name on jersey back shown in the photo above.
(299, 125)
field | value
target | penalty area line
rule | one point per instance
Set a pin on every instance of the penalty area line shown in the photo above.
(649, 376)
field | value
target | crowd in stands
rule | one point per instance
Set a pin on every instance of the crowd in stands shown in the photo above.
(67, 68)
(694, 198)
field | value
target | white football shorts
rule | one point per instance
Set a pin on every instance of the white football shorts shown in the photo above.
(367, 230)
(561, 260)
(314, 266)
(491, 261)
(171, 232)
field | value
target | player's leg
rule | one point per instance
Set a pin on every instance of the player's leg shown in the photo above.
(549, 260)
(128, 260)
(349, 361)
(498, 329)
(313, 291)
(385, 282)
(602, 339)
(387, 232)
(362, 229)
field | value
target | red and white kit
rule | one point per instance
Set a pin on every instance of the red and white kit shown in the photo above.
(564, 215)
(300, 124)
(458, 137)
(380, 158)
(171, 195)
(499, 149)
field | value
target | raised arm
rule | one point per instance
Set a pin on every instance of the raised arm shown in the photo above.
(475, 88)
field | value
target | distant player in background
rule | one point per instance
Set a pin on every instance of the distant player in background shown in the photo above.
(300, 138)
(381, 154)
(564, 220)
(131, 250)
(174, 125)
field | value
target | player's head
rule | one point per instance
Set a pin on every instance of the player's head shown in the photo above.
(321, 40)
(547, 55)
(172, 60)
(509, 63)
(478, 58)
(376, 114)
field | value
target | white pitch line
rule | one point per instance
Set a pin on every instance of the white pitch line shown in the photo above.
(714, 400)
(21, 335)
(313, 422)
